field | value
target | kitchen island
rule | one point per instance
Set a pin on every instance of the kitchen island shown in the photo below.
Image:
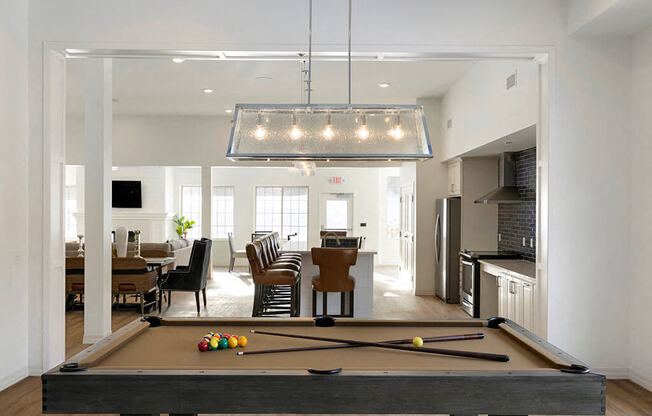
(362, 272)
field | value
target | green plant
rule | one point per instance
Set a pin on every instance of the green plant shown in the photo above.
(182, 224)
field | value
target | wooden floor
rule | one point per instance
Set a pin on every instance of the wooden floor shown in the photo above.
(232, 294)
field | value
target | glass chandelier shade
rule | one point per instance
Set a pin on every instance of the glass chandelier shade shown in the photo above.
(329, 132)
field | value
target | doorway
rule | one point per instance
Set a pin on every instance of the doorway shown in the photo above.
(406, 269)
(336, 212)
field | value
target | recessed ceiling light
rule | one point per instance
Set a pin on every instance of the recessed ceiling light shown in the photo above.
(177, 60)
(228, 110)
(383, 85)
(208, 90)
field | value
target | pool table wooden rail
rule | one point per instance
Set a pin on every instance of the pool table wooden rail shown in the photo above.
(297, 391)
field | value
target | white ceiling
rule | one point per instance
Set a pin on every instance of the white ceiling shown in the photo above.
(160, 86)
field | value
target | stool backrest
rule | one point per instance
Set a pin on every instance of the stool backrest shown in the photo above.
(231, 249)
(334, 265)
(255, 257)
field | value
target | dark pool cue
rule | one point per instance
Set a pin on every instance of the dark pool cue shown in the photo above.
(455, 353)
(335, 347)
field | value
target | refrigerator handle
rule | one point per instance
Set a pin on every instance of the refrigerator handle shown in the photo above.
(437, 245)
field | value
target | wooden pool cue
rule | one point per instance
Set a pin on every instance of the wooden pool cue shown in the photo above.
(454, 353)
(394, 341)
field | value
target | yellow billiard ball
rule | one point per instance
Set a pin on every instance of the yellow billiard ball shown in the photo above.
(233, 342)
(417, 342)
(242, 341)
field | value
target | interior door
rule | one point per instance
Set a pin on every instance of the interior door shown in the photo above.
(336, 211)
(407, 232)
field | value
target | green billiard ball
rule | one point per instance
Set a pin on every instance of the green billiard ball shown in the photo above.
(223, 344)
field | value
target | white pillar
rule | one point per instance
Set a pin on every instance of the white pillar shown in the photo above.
(206, 197)
(97, 204)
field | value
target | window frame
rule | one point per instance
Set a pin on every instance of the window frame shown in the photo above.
(198, 223)
(213, 223)
(283, 187)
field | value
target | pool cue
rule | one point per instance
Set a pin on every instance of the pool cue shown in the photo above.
(455, 353)
(394, 341)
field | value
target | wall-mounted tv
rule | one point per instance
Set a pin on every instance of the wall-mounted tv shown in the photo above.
(126, 194)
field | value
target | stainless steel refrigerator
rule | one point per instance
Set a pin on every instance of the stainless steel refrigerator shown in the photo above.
(447, 249)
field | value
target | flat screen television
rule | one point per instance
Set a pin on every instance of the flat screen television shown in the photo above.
(126, 194)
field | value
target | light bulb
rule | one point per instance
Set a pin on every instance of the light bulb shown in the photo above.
(397, 133)
(328, 132)
(260, 132)
(295, 133)
(363, 131)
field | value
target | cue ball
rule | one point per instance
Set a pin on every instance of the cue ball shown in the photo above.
(417, 342)
(224, 343)
(242, 341)
(232, 342)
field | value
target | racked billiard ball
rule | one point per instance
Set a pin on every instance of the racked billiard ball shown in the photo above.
(202, 346)
(233, 342)
(224, 343)
(242, 341)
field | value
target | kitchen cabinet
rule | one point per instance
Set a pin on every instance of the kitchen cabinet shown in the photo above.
(455, 178)
(516, 295)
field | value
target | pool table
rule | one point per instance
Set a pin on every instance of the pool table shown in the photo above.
(153, 366)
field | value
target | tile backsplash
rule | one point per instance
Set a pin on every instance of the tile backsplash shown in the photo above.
(516, 221)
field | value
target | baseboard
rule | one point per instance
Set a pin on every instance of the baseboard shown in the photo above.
(13, 378)
(640, 379)
(613, 372)
(424, 293)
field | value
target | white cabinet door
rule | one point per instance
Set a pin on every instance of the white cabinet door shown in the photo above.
(529, 306)
(455, 178)
(515, 300)
(503, 286)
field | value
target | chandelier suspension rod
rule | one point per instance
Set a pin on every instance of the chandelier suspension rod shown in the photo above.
(310, 52)
(349, 57)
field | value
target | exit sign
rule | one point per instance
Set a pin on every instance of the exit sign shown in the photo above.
(337, 180)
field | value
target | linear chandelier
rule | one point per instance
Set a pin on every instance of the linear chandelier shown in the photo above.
(355, 132)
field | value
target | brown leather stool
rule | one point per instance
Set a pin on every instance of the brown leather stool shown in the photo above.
(334, 265)
(276, 289)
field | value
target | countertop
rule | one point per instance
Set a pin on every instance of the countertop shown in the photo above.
(522, 268)
(303, 247)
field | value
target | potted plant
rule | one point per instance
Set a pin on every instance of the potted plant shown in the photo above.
(183, 226)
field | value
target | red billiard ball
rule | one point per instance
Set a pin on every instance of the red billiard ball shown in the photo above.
(227, 336)
(202, 346)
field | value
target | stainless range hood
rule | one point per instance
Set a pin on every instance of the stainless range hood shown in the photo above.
(507, 192)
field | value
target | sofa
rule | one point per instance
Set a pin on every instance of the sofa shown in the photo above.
(180, 249)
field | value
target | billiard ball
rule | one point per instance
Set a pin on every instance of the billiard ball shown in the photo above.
(202, 346)
(227, 336)
(242, 341)
(232, 342)
(224, 343)
(417, 342)
(214, 344)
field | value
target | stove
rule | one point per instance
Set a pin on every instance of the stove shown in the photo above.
(470, 276)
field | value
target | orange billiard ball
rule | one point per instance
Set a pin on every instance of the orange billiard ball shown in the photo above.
(242, 341)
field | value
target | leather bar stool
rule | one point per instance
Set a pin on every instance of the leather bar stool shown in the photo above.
(270, 260)
(276, 239)
(334, 265)
(267, 300)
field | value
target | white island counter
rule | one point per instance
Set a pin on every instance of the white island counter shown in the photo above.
(362, 272)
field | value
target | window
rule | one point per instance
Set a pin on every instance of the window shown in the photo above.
(222, 211)
(70, 209)
(191, 208)
(282, 209)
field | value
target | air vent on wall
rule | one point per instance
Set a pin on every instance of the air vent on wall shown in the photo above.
(511, 81)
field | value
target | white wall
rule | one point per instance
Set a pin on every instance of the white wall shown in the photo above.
(14, 300)
(364, 183)
(640, 285)
(589, 109)
(483, 110)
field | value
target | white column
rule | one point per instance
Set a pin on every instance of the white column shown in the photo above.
(97, 204)
(206, 197)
